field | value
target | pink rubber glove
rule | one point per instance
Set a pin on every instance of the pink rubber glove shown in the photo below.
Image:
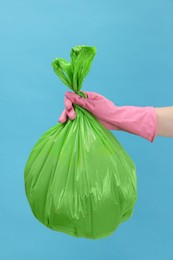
(141, 121)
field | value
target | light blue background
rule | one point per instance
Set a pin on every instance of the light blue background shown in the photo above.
(133, 66)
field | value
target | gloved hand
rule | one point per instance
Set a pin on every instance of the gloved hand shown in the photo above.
(140, 121)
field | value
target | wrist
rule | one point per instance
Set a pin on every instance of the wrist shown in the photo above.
(141, 121)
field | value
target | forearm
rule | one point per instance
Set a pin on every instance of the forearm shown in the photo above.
(164, 121)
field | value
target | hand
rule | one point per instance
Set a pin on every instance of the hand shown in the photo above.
(140, 121)
(102, 108)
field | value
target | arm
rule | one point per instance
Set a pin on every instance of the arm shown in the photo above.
(164, 121)
(147, 122)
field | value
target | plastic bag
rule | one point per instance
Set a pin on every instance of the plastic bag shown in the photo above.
(78, 178)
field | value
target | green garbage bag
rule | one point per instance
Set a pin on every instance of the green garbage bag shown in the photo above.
(78, 178)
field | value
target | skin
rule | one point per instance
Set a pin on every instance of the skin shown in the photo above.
(164, 121)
